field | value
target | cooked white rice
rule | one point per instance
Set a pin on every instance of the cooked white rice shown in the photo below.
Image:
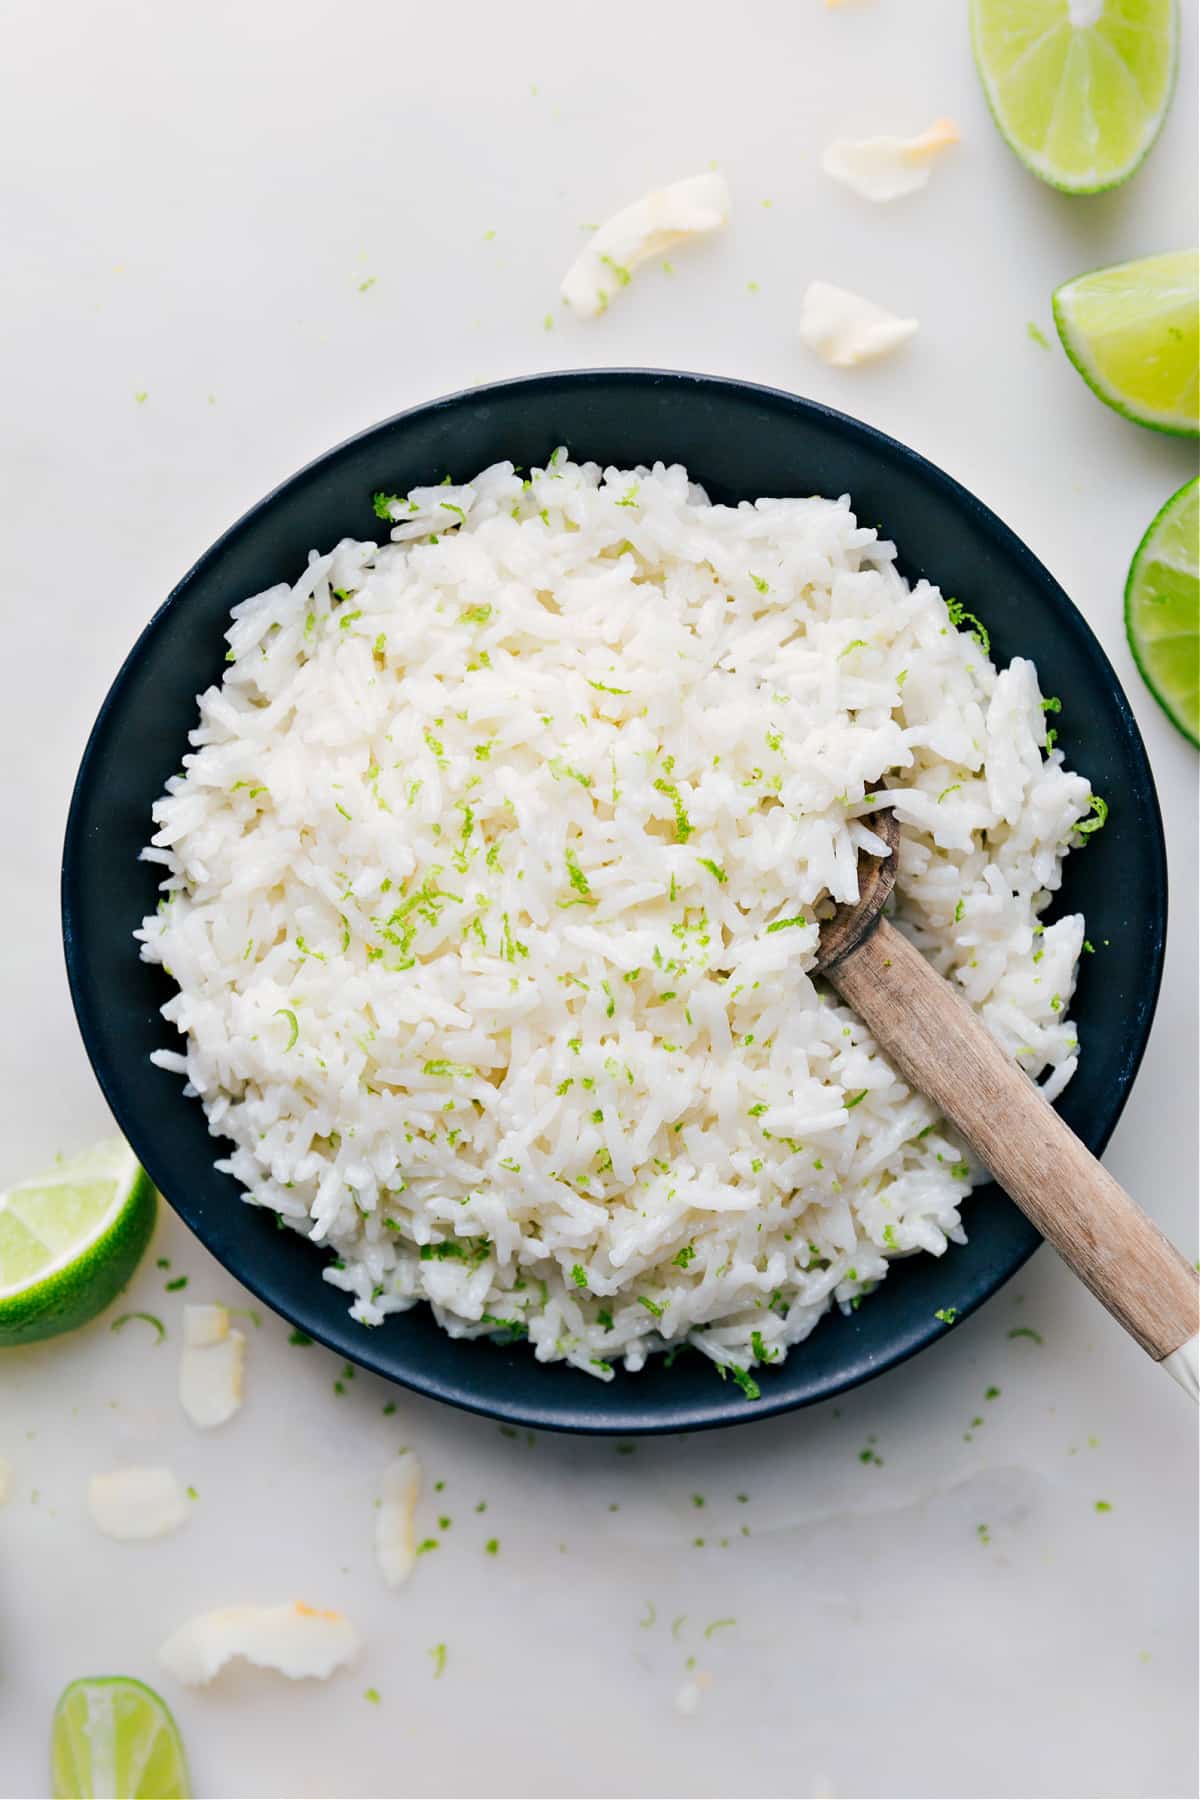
(491, 888)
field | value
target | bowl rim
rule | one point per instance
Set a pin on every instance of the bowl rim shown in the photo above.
(725, 1408)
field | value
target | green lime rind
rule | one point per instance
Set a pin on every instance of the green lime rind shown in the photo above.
(1132, 331)
(108, 1201)
(1127, 58)
(1162, 609)
(113, 1738)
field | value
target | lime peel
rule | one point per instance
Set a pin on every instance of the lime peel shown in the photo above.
(1162, 609)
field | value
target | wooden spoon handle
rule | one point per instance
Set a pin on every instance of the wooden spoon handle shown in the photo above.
(943, 1048)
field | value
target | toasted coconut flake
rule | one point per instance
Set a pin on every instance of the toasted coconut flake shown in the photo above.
(300, 1641)
(395, 1536)
(650, 227)
(136, 1503)
(884, 168)
(210, 1378)
(845, 329)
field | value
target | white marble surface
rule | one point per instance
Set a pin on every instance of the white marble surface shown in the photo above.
(194, 198)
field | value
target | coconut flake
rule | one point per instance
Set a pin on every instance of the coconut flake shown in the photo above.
(211, 1368)
(845, 329)
(650, 227)
(205, 1325)
(395, 1538)
(298, 1640)
(884, 168)
(136, 1503)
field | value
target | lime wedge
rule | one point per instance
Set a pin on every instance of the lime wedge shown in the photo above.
(114, 1739)
(1133, 332)
(1078, 87)
(70, 1240)
(1162, 609)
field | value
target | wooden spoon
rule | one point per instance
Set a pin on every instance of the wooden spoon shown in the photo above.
(925, 1027)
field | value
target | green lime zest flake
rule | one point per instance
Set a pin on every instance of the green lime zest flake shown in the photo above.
(602, 687)
(149, 1318)
(1034, 331)
(651, 1616)
(475, 615)
(371, 1694)
(651, 1306)
(559, 768)
(713, 868)
(173, 1287)
(946, 1315)
(622, 274)
(579, 1275)
(604, 1318)
(300, 1338)
(786, 924)
(960, 1170)
(426, 1545)
(492, 1547)
(1103, 1506)
(285, 1012)
(957, 614)
(579, 882)
(762, 586)
(1027, 1331)
(958, 912)
(548, 322)
(439, 1066)
(1099, 807)
(438, 1653)
(856, 1099)
(759, 1346)
(983, 1534)
(992, 1393)
(854, 644)
(683, 1258)
(630, 496)
(683, 825)
(744, 1380)
(718, 1625)
(383, 504)
(447, 506)
(1052, 703)
(954, 788)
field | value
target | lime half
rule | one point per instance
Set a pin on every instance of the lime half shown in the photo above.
(1162, 609)
(70, 1240)
(1133, 332)
(114, 1739)
(1078, 87)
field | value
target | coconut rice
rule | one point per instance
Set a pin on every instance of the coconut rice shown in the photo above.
(493, 881)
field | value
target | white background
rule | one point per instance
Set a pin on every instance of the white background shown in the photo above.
(193, 196)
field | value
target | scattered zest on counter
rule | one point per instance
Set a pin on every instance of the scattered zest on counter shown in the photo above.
(844, 329)
(211, 1367)
(650, 227)
(395, 1537)
(885, 168)
(136, 1503)
(300, 1641)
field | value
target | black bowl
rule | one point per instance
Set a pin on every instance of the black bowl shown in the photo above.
(740, 441)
